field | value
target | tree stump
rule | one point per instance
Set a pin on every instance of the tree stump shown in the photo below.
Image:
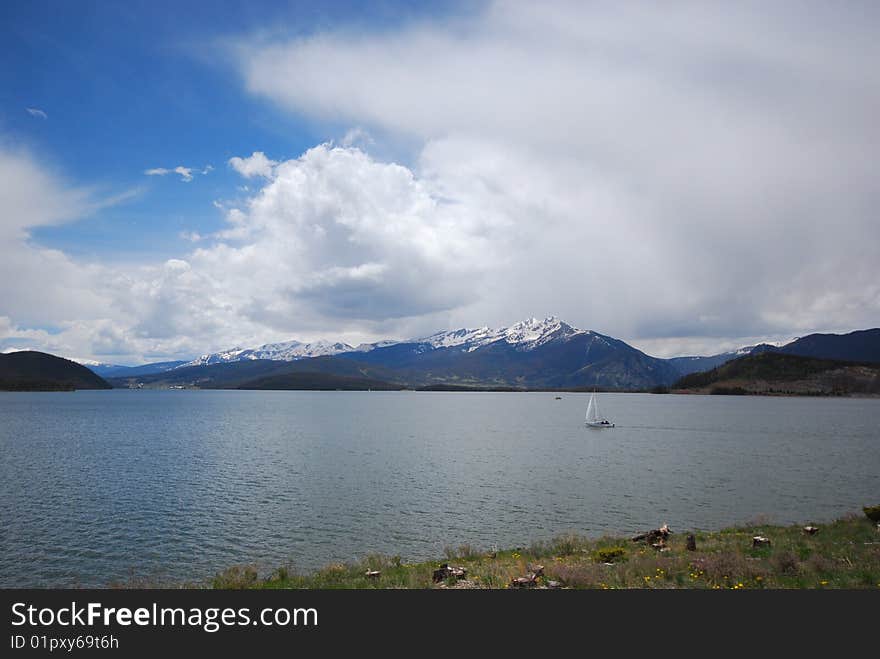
(691, 542)
(440, 573)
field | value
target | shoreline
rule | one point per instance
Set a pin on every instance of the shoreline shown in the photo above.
(844, 553)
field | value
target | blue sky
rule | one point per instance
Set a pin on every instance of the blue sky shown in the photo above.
(690, 178)
(137, 85)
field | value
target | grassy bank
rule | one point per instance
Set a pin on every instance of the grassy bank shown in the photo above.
(842, 554)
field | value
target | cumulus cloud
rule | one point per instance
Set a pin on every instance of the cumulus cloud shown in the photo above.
(337, 235)
(336, 244)
(662, 173)
(36, 112)
(257, 164)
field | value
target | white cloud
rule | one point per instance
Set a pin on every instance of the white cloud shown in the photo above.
(42, 287)
(36, 112)
(339, 235)
(191, 236)
(257, 164)
(186, 173)
(334, 245)
(357, 136)
(693, 180)
(664, 173)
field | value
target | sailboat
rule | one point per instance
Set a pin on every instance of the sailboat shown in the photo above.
(594, 419)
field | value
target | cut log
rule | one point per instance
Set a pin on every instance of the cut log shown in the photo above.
(691, 542)
(760, 541)
(530, 580)
(654, 536)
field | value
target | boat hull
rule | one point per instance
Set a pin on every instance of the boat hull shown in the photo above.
(598, 425)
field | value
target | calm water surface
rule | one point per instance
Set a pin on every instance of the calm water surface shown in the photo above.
(171, 486)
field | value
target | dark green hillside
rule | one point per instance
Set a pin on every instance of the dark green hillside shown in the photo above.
(319, 382)
(860, 346)
(29, 370)
(774, 372)
(243, 374)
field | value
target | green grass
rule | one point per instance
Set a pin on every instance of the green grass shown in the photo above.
(843, 554)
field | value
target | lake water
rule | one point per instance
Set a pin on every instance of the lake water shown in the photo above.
(172, 486)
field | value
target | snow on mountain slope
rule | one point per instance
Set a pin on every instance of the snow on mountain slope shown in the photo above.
(92, 362)
(526, 335)
(286, 351)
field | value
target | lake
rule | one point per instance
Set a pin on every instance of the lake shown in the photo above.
(171, 486)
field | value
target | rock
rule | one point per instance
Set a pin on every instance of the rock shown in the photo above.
(445, 571)
(811, 530)
(691, 542)
(523, 582)
(554, 584)
(760, 541)
(374, 574)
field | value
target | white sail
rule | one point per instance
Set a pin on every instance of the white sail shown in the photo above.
(594, 418)
(592, 410)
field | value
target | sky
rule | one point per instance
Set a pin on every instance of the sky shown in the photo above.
(180, 178)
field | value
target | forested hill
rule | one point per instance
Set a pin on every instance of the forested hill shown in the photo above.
(29, 370)
(774, 372)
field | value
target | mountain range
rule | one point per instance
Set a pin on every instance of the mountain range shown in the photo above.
(534, 353)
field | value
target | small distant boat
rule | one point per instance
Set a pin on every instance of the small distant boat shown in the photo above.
(594, 419)
(559, 398)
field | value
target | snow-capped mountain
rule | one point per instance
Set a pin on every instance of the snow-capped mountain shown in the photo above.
(535, 352)
(92, 363)
(525, 335)
(286, 351)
